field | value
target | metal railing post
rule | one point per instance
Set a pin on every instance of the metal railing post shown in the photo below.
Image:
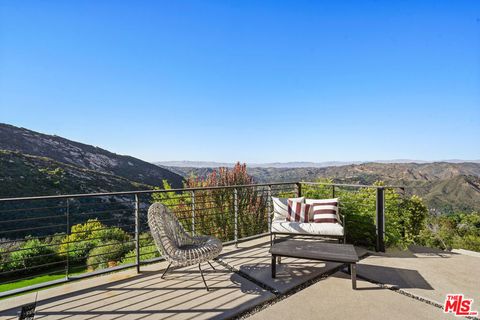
(380, 220)
(137, 233)
(67, 253)
(333, 191)
(298, 186)
(193, 212)
(235, 217)
(269, 212)
(269, 206)
(402, 222)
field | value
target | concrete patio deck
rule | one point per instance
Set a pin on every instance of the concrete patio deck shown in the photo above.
(242, 287)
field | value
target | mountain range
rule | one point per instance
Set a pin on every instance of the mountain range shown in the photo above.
(296, 164)
(446, 187)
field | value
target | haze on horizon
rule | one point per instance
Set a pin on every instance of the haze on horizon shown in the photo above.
(256, 82)
(296, 164)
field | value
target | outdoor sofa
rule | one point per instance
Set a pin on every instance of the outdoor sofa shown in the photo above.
(306, 227)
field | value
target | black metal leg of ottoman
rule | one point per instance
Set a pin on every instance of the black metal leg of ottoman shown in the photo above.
(353, 272)
(274, 265)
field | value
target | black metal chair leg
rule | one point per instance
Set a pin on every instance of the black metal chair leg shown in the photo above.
(201, 273)
(166, 270)
(211, 265)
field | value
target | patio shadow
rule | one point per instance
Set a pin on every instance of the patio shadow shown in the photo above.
(291, 273)
(180, 295)
(397, 277)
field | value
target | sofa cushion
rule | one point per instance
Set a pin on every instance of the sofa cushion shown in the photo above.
(298, 211)
(324, 210)
(280, 207)
(323, 229)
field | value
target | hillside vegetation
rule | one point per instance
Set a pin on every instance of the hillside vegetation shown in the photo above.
(84, 156)
(24, 175)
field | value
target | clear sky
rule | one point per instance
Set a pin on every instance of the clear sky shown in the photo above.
(255, 81)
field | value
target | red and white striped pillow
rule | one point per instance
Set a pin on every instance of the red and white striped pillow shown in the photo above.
(280, 207)
(324, 211)
(298, 211)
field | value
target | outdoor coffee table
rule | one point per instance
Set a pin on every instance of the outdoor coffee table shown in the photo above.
(315, 250)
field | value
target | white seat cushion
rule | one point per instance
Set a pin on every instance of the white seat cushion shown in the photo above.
(323, 229)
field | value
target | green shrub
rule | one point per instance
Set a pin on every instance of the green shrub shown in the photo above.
(4, 258)
(148, 250)
(33, 253)
(110, 252)
(146, 253)
(84, 237)
(458, 231)
(413, 215)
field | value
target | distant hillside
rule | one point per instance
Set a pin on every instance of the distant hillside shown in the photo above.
(193, 164)
(211, 164)
(366, 173)
(445, 186)
(298, 164)
(461, 193)
(24, 175)
(84, 156)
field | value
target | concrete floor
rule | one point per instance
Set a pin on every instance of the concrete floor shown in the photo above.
(426, 272)
(126, 295)
(331, 299)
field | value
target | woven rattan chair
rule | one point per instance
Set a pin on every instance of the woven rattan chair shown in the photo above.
(178, 247)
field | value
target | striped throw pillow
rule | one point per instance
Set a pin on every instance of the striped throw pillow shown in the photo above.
(298, 211)
(324, 211)
(280, 207)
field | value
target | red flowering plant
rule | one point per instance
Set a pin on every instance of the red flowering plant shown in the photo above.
(213, 209)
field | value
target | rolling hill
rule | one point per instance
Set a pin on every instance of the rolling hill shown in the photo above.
(365, 173)
(446, 186)
(84, 156)
(25, 175)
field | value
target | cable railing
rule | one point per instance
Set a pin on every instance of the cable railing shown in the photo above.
(46, 240)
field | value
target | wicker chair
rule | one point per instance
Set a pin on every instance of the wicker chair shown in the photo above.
(177, 246)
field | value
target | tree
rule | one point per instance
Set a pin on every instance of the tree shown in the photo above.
(215, 208)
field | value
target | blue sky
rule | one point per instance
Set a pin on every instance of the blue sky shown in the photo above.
(255, 81)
